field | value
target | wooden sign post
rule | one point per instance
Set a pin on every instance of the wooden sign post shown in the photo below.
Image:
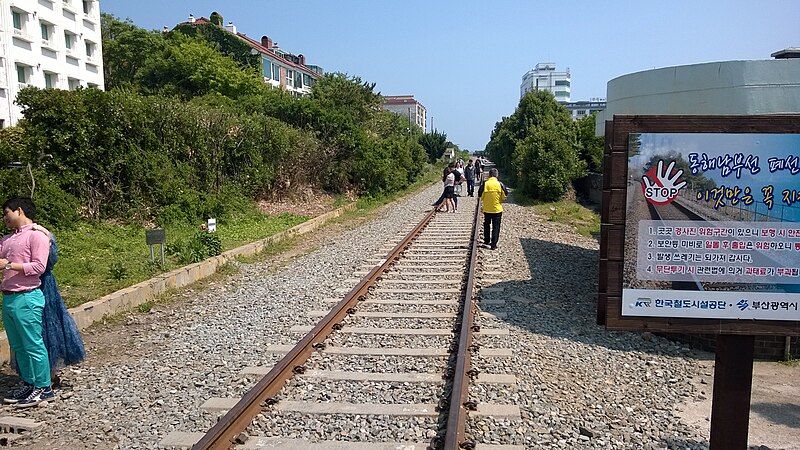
(701, 234)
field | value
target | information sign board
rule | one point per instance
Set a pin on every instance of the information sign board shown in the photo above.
(701, 224)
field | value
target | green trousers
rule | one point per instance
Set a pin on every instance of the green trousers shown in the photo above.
(22, 317)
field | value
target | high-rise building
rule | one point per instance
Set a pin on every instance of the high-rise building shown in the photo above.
(544, 77)
(47, 44)
(406, 106)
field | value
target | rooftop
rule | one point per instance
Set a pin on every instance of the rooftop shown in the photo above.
(788, 52)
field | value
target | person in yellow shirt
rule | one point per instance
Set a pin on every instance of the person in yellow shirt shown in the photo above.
(492, 194)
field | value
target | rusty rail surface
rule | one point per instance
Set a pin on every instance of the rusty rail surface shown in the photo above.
(223, 434)
(455, 434)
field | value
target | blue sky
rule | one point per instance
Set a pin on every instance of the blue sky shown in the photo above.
(464, 59)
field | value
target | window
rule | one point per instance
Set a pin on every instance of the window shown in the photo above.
(93, 86)
(307, 80)
(298, 79)
(289, 76)
(266, 68)
(45, 31)
(562, 83)
(89, 49)
(87, 7)
(73, 83)
(276, 72)
(17, 18)
(49, 80)
(22, 75)
(68, 40)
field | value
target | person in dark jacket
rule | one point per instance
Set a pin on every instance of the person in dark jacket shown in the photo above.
(469, 174)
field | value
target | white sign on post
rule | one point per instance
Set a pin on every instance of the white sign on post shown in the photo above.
(713, 226)
(212, 225)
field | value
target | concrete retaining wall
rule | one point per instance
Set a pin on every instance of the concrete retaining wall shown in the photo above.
(133, 296)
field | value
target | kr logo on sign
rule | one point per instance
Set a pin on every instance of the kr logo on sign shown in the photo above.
(661, 187)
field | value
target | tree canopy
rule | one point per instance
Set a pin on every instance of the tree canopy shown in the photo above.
(538, 147)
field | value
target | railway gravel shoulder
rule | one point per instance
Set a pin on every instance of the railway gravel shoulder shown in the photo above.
(152, 379)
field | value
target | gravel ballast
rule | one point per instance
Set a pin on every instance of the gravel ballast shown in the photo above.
(578, 385)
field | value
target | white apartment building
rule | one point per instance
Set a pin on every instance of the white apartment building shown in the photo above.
(406, 106)
(545, 78)
(47, 44)
(583, 108)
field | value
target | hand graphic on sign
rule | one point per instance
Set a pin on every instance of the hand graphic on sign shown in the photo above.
(665, 188)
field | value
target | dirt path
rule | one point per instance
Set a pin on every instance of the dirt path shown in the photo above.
(774, 404)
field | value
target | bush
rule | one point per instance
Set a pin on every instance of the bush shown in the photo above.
(537, 147)
(546, 163)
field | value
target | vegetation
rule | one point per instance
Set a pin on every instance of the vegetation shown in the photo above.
(585, 221)
(187, 130)
(541, 149)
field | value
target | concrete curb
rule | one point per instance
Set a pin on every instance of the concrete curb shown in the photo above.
(133, 296)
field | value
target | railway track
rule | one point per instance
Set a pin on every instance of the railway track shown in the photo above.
(394, 353)
(676, 211)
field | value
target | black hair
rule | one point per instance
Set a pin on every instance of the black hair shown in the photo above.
(15, 203)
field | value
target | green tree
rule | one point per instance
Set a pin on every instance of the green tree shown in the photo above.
(190, 68)
(224, 42)
(537, 146)
(546, 163)
(434, 143)
(126, 49)
(591, 146)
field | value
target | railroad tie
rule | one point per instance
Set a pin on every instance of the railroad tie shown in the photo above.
(405, 331)
(483, 352)
(262, 442)
(393, 409)
(390, 377)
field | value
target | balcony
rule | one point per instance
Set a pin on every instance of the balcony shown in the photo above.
(19, 34)
(48, 43)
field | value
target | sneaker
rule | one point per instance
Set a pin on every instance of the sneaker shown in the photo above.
(18, 394)
(494, 247)
(37, 396)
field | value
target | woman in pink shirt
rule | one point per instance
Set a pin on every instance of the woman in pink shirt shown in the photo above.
(23, 257)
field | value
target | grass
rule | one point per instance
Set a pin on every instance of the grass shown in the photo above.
(584, 220)
(96, 259)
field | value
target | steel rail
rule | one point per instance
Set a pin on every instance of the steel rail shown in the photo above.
(455, 434)
(694, 285)
(224, 433)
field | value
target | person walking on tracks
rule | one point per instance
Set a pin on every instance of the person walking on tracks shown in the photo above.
(446, 199)
(469, 174)
(478, 171)
(23, 256)
(492, 194)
